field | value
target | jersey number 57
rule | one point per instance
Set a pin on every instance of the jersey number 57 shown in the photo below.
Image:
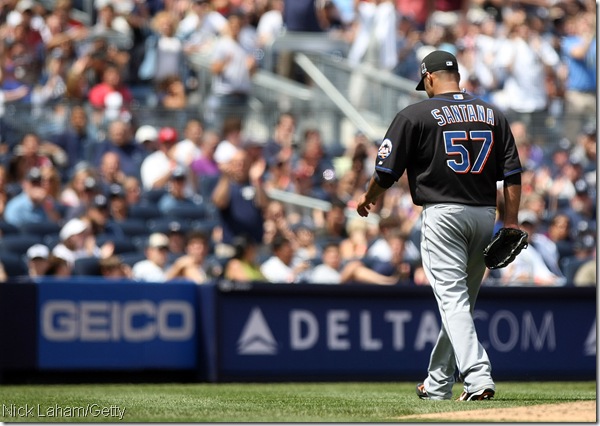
(460, 161)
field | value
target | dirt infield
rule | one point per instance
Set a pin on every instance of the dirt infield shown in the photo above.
(584, 411)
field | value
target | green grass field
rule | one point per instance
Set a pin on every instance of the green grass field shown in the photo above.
(270, 402)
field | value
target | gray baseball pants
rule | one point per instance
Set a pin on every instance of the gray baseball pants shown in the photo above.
(453, 237)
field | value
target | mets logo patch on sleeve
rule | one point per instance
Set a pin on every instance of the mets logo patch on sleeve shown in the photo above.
(385, 149)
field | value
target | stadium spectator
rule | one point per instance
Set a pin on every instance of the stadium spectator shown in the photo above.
(281, 144)
(157, 167)
(276, 222)
(232, 68)
(231, 133)
(33, 204)
(356, 244)
(164, 54)
(529, 268)
(147, 136)
(374, 46)
(193, 265)
(27, 155)
(205, 164)
(240, 198)
(279, 267)
(270, 24)
(243, 266)
(524, 60)
(100, 222)
(37, 260)
(200, 27)
(76, 242)
(189, 149)
(78, 193)
(306, 248)
(176, 195)
(120, 141)
(112, 86)
(559, 232)
(58, 267)
(333, 270)
(153, 268)
(578, 48)
(117, 203)
(112, 267)
(133, 190)
(77, 139)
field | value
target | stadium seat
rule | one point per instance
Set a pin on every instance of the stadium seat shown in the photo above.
(14, 265)
(167, 224)
(18, 243)
(133, 227)
(41, 228)
(7, 229)
(152, 196)
(132, 258)
(144, 211)
(86, 266)
(188, 213)
(122, 245)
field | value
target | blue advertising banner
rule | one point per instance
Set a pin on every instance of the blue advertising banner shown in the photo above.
(307, 332)
(117, 325)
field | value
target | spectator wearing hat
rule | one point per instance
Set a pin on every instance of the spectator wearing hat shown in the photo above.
(176, 195)
(177, 234)
(147, 136)
(154, 267)
(33, 204)
(100, 221)
(582, 206)
(120, 141)
(37, 260)
(75, 242)
(584, 250)
(117, 203)
(529, 267)
(157, 167)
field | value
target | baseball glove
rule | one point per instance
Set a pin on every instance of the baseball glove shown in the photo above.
(504, 247)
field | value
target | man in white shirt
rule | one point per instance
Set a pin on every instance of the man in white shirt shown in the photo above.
(152, 269)
(279, 268)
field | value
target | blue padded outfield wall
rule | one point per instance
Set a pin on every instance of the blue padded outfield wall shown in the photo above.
(270, 332)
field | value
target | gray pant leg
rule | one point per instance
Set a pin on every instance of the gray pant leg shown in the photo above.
(452, 237)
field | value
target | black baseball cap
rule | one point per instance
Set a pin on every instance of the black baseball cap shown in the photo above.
(438, 60)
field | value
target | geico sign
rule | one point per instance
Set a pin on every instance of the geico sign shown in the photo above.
(103, 321)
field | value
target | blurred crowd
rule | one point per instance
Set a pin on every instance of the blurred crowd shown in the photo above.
(93, 184)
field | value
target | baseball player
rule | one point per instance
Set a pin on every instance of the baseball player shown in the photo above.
(454, 148)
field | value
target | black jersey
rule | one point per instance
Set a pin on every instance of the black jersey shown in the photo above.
(454, 148)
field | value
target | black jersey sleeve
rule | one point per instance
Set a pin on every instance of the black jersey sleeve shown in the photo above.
(511, 164)
(394, 151)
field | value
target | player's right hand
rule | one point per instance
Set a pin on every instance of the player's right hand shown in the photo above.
(363, 206)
